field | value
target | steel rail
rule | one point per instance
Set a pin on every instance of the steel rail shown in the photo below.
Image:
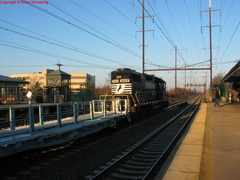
(106, 171)
(173, 141)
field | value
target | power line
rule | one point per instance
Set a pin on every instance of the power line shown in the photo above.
(76, 26)
(25, 48)
(156, 39)
(174, 24)
(103, 20)
(63, 46)
(166, 36)
(189, 19)
(230, 40)
(119, 12)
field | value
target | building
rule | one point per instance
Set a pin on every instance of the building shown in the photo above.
(32, 78)
(11, 90)
(233, 77)
(57, 88)
(78, 80)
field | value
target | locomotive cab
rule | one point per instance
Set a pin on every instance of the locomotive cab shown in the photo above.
(141, 90)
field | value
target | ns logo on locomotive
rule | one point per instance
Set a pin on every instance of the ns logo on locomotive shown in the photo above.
(143, 93)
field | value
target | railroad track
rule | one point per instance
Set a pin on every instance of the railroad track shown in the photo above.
(141, 159)
(77, 160)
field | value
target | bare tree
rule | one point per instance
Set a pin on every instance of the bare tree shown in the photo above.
(102, 90)
(217, 79)
(36, 89)
(35, 86)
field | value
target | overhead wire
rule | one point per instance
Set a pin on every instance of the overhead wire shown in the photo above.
(177, 33)
(228, 13)
(158, 16)
(119, 11)
(103, 20)
(166, 36)
(26, 65)
(156, 39)
(200, 11)
(191, 28)
(122, 14)
(80, 28)
(190, 22)
(161, 30)
(62, 46)
(134, 6)
(230, 40)
(90, 27)
(98, 33)
(25, 48)
(174, 24)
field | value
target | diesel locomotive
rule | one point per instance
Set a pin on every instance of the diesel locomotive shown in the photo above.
(143, 92)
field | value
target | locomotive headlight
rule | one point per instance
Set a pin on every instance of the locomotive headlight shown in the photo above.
(115, 81)
(124, 80)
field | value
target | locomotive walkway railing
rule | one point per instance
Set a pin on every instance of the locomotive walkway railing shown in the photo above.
(116, 106)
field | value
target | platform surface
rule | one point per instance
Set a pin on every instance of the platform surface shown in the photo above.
(50, 133)
(211, 148)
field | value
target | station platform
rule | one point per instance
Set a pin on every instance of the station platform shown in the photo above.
(211, 148)
(21, 139)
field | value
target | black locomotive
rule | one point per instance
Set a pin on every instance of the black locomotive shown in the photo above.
(143, 92)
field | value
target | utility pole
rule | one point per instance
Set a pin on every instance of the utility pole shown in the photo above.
(210, 35)
(185, 75)
(205, 82)
(210, 40)
(176, 51)
(143, 35)
(175, 71)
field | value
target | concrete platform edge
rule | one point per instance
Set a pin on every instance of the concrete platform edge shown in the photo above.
(186, 164)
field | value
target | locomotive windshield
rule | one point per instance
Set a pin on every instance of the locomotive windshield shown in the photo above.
(125, 76)
(121, 77)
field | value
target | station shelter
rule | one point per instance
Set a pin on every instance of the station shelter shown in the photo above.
(57, 88)
(233, 77)
(11, 90)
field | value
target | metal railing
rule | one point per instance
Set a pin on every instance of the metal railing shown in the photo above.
(117, 106)
(33, 116)
(39, 115)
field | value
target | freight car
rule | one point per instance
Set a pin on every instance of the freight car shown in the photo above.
(144, 93)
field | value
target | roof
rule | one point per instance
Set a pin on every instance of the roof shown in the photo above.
(11, 80)
(233, 75)
(59, 72)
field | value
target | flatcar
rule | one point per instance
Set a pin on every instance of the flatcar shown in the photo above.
(144, 92)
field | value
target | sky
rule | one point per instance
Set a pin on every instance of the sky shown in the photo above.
(99, 36)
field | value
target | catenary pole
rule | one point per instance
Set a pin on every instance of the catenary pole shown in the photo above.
(143, 37)
(210, 40)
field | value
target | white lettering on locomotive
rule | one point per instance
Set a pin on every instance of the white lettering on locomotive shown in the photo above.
(121, 88)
